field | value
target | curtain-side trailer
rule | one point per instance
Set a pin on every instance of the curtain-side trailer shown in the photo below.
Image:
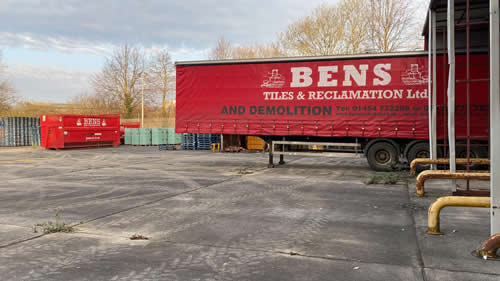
(379, 101)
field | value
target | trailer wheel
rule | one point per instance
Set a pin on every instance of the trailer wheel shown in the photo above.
(419, 150)
(382, 156)
(475, 152)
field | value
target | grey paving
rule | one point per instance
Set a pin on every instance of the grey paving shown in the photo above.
(213, 216)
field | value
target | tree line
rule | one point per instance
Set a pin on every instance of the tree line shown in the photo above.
(128, 76)
(345, 27)
(7, 93)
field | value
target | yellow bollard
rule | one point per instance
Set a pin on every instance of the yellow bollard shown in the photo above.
(445, 161)
(438, 174)
(215, 147)
(449, 201)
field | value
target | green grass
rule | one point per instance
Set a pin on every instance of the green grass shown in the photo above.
(53, 227)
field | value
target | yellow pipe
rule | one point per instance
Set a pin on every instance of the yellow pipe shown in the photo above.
(452, 201)
(438, 174)
(445, 161)
(490, 247)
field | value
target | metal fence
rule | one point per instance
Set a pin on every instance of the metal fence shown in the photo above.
(19, 131)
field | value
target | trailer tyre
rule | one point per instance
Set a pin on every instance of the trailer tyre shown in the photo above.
(475, 152)
(419, 150)
(382, 156)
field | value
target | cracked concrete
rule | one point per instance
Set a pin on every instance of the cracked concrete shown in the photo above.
(213, 216)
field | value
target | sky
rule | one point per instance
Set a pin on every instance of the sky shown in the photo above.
(52, 47)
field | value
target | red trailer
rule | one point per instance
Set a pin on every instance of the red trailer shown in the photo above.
(69, 131)
(377, 101)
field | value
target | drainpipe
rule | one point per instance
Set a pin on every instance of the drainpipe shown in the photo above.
(452, 201)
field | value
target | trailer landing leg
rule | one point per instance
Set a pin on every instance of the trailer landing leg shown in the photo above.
(282, 159)
(271, 161)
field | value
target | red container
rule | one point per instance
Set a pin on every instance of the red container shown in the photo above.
(130, 125)
(68, 130)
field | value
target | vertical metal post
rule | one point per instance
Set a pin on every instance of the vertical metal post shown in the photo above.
(142, 103)
(451, 87)
(494, 116)
(430, 81)
(282, 156)
(221, 142)
(271, 152)
(444, 113)
(432, 85)
(467, 83)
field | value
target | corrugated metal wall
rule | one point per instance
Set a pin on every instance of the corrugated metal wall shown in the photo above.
(19, 131)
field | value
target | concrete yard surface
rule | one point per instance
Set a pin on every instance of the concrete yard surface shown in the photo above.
(225, 216)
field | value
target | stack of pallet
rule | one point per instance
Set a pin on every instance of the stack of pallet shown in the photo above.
(203, 142)
(215, 138)
(19, 131)
(199, 141)
(189, 141)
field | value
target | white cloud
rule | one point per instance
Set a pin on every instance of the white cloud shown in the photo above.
(197, 24)
(48, 84)
(66, 45)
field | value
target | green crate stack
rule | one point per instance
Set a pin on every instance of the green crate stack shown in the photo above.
(164, 136)
(173, 138)
(155, 136)
(144, 136)
(128, 136)
(135, 136)
(158, 136)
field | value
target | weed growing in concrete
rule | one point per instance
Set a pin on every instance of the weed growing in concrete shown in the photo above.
(387, 178)
(53, 227)
(138, 237)
(244, 171)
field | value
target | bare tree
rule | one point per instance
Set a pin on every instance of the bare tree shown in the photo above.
(7, 93)
(349, 27)
(118, 81)
(87, 103)
(257, 51)
(162, 77)
(223, 50)
(353, 14)
(320, 33)
(389, 21)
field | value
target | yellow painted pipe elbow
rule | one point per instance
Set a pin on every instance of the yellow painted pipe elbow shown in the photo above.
(452, 201)
(436, 174)
(445, 161)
